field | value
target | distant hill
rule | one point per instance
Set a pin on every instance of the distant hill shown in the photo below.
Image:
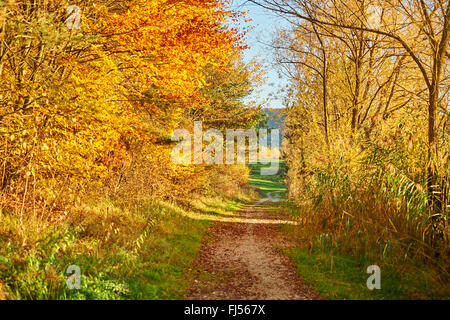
(276, 117)
(275, 120)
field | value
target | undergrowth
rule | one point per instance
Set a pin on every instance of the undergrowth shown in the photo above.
(139, 251)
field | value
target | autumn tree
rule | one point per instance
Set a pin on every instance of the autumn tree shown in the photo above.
(419, 28)
(77, 105)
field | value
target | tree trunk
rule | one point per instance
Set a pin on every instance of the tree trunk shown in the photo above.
(325, 100)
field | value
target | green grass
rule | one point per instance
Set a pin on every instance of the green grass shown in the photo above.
(337, 276)
(341, 277)
(267, 183)
(163, 266)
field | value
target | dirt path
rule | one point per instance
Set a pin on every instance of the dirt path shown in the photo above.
(240, 261)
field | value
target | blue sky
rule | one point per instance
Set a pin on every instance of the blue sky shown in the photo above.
(265, 24)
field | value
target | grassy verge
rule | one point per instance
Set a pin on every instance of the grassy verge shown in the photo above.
(268, 183)
(337, 275)
(144, 252)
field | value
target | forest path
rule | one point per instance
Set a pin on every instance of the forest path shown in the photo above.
(242, 260)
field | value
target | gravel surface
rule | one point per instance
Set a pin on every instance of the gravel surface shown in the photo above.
(241, 261)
